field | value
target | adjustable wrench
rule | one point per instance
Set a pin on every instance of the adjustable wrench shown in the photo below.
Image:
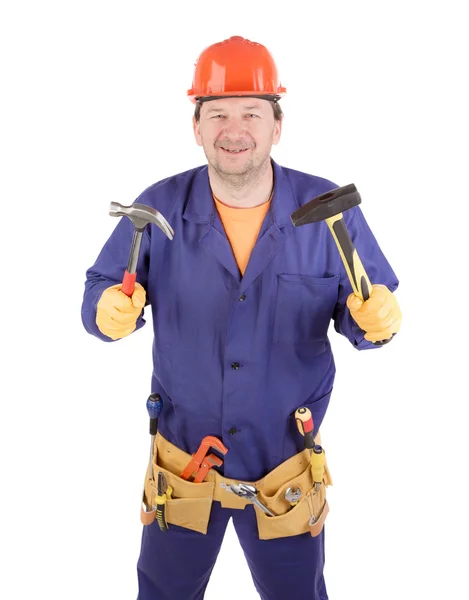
(292, 496)
(249, 492)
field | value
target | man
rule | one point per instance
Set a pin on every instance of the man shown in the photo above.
(241, 303)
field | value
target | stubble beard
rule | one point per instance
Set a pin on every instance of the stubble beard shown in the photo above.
(248, 174)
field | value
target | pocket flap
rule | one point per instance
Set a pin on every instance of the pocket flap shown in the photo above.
(191, 513)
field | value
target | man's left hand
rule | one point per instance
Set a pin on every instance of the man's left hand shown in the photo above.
(379, 316)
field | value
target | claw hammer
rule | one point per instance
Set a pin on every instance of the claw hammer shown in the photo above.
(141, 216)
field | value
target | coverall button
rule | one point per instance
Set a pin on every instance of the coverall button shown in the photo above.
(235, 366)
(242, 298)
(232, 431)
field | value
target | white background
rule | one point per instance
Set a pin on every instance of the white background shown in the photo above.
(94, 109)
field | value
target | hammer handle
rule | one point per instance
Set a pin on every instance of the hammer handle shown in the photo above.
(128, 283)
(361, 285)
(353, 265)
(130, 275)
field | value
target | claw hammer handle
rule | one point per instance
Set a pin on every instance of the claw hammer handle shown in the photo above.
(130, 275)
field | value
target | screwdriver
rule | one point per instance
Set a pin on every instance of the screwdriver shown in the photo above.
(305, 424)
(154, 406)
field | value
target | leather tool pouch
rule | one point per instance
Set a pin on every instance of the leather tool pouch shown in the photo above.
(191, 503)
(308, 514)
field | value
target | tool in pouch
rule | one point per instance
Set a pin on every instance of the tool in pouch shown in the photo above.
(154, 407)
(249, 492)
(164, 492)
(292, 495)
(305, 424)
(329, 207)
(304, 421)
(201, 462)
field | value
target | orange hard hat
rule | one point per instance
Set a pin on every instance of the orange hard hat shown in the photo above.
(235, 67)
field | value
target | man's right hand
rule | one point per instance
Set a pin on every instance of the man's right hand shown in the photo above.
(117, 313)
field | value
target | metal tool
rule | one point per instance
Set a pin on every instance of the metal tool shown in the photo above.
(292, 496)
(154, 406)
(318, 465)
(305, 423)
(249, 492)
(141, 216)
(164, 492)
(201, 463)
(329, 207)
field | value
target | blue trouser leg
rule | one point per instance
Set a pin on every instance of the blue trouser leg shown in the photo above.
(177, 564)
(290, 567)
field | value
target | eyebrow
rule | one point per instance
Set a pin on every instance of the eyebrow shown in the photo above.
(216, 109)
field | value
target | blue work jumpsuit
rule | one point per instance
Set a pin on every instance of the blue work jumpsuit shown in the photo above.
(234, 357)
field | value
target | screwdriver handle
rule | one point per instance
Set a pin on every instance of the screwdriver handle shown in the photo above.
(305, 424)
(154, 406)
(318, 464)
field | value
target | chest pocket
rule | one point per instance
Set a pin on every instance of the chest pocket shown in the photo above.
(304, 307)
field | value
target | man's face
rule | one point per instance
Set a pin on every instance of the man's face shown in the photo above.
(237, 135)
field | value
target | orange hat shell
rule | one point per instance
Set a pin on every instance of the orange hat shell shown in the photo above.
(235, 67)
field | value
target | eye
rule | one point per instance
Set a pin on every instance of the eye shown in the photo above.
(253, 116)
(218, 117)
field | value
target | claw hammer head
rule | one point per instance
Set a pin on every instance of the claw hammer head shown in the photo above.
(141, 216)
(326, 205)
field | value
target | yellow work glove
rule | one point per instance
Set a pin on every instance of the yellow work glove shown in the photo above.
(117, 314)
(380, 316)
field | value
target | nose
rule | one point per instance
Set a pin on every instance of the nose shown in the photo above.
(234, 127)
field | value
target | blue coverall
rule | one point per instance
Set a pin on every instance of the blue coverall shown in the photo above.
(234, 357)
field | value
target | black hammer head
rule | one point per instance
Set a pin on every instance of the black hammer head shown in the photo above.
(326, 205)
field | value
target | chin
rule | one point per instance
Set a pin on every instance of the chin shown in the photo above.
(238, 170)
(226, 168)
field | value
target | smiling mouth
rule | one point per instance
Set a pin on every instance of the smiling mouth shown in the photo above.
(234, 151)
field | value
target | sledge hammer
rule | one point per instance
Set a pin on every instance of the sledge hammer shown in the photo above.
(329, 207)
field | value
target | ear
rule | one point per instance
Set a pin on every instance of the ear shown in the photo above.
(196, 128)
(277, 132)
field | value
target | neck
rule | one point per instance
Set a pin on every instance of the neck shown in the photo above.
(238, 193)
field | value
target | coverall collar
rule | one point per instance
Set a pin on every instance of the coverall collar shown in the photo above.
(201, 208)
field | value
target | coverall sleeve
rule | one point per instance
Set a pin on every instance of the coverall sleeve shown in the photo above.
(377, 268)
(109, 270)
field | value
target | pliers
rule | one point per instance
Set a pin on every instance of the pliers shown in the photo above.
(164, 492)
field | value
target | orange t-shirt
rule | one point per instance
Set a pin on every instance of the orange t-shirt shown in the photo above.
(242, 226)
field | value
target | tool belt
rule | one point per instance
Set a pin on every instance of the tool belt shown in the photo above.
(190, 503)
